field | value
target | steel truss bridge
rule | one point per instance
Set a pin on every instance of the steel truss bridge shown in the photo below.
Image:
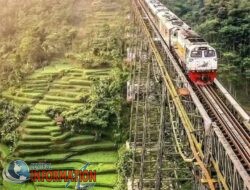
(181, 136)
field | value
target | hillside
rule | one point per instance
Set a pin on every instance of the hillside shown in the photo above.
(40, 139)
(34, 33)
(62, 57)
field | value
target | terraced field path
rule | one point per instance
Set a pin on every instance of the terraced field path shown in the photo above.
(41, 140)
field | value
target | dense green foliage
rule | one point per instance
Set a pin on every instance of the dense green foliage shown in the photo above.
(33, 33)
(103, 109)
(80, 78)
(124, 166)
(36, 32)
(225, 24)
(104, 48)
(10, 119)
(52, 111)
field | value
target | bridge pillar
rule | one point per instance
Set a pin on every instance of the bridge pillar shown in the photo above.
(156, 161)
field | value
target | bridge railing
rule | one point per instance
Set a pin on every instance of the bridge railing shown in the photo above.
(188, 114)
(154, 42)
(224, 159)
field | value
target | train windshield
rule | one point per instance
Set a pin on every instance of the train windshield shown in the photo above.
(196, 54)
(209, 53)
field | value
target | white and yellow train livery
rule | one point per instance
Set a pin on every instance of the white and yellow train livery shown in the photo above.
(195, 55)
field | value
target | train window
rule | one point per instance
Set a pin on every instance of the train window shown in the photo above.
(209, 53)
(196, 53)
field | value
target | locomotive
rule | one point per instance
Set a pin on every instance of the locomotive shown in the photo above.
(195, 55)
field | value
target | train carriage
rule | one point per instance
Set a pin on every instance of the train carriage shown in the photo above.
(196, 56)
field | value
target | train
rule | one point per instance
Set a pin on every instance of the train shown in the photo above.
(197, 58)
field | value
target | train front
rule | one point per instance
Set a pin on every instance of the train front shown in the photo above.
(202, 64)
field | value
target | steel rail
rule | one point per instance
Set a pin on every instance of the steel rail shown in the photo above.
(165, 73)
(210, 99)
(242, 130)
(170, 86)
(230, 126)
(236, 107)
(222, 179)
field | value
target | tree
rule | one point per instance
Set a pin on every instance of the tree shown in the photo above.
(222, 13)
(102, 112)
(31, 50)
(10, 118)
(32, 34)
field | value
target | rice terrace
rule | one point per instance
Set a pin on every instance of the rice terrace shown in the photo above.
(64, 87)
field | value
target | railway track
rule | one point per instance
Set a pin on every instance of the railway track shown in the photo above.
(236, 133)
(231, 127)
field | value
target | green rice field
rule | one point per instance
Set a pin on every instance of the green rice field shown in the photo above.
(41, 140)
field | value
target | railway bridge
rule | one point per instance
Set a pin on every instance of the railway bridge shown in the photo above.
(182, 136)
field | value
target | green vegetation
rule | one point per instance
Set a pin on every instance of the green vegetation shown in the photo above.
(4, 151)
(9, 185)
(10, 118)
(41, 139)
(225, 25)
(103, 110)
(32, 34)
(124, 167)
(64, 62)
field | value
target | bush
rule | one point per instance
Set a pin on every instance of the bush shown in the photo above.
(103, 108)
(93, 62)
(52, 111)
(85, 98)
(10, 119)
(24, 110)
(124, 167)
(87, 63)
